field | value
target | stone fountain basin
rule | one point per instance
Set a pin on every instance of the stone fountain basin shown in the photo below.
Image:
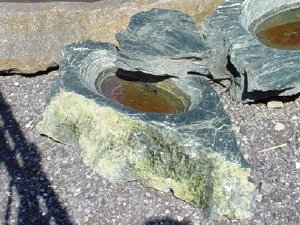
(257, 71)
(192, 153)
(105, 103)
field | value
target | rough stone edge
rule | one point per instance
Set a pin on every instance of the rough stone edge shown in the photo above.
(228, 54)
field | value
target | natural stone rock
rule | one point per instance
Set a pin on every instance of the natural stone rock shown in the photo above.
(158, 41)
(256, 67)
(194, 153)
(259, 197)
(279, 127)
(32, 34)
(275, 104)
(265, 188)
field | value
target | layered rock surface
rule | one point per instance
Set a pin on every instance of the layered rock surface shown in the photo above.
(193, 153)
(255, 71)
(158, 41)
(32, 34)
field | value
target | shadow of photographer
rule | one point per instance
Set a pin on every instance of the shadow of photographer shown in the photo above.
(22, 163)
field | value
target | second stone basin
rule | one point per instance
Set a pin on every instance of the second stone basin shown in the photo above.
(276, 23)
(256, 45)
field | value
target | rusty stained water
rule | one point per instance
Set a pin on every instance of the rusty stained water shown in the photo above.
(141, 96)
(281, 31)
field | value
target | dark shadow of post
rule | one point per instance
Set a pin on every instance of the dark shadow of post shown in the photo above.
(22, 162)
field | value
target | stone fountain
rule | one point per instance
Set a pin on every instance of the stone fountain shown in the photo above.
(135, 113)
(256, 47)
(143, 111)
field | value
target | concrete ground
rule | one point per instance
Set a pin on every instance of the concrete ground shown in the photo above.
(45, 182)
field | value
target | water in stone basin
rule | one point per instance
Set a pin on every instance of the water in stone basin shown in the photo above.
(281, 31)
(141, 96)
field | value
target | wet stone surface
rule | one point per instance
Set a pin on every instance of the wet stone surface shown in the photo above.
(286, 36)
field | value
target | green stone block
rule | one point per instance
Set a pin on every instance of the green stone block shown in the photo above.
(192, 152)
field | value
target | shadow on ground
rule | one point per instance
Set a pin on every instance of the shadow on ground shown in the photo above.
(38, 203)
(165, 221)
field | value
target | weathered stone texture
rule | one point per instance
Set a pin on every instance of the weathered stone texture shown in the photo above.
(32, 34)
(193, 153)
(255, 70)
(162, 42)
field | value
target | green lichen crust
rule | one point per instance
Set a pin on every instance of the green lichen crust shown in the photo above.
(121, 148)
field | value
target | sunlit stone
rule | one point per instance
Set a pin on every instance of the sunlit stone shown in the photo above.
(193, 153)
(255, 47)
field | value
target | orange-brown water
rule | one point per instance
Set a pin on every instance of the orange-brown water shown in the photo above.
(141, 96)
(286, 36)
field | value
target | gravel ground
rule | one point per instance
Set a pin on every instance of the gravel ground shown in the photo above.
(45, 182)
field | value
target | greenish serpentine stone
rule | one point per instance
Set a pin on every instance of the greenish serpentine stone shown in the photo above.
(253, 70)
(193, 153)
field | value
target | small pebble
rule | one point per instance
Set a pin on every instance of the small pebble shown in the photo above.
(246, 156)
(298, 206)
(180, 218)
(279, 127)
(16, 84)
(245, 139)
(28, 124)
(258, 197)
(236, 129)
(275, 104)
(297, 165)
(266, 188)
(87, 218)
(295, 118)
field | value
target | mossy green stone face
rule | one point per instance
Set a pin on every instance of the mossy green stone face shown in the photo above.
(121, 148)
